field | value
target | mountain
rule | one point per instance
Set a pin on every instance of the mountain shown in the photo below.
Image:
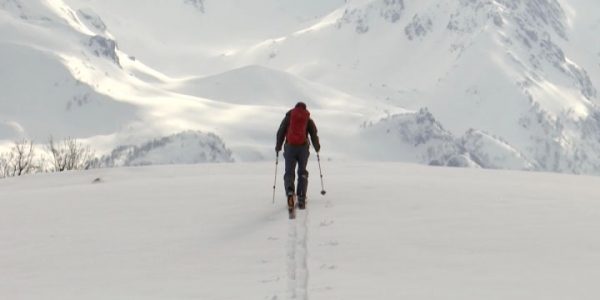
(383, 231)
(506, 68)
(187, 147)
(508, 84)
(40, 94)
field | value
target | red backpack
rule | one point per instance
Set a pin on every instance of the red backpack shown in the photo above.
(296, 133)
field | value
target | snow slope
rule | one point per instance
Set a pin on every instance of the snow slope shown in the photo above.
(64, 74)
(181, 39)
(383, 231)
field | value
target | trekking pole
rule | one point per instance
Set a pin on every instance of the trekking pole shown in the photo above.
(275, 181)
(321, 173)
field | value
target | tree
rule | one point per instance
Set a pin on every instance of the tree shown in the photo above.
(19, 160)
(4, 165)
(70, 155)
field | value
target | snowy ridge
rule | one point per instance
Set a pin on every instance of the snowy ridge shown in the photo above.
(415, 137)
(493, 153)
(183, 148)
(421, 138)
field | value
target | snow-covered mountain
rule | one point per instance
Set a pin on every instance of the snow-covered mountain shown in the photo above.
(183, 148)
(488, 83)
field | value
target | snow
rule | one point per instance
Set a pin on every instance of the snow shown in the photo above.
(184, 148)
(114, 73)
(383, 231)
(41, 97)
(507, 84)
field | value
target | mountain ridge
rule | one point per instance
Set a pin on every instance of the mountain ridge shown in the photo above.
(514, 72)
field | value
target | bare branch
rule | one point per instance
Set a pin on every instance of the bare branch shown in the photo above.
(19, 160)
(70, 155)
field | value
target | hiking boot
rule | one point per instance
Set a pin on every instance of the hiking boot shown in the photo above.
(301, 202)
(290, 202)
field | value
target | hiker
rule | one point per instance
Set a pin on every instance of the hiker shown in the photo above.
(294, 129)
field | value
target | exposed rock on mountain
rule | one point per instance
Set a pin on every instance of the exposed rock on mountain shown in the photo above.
(190, 147)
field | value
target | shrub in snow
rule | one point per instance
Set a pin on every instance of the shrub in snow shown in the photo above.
(69, 155)
(19, 160)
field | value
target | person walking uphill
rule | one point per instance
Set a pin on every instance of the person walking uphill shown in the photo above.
(294, 130)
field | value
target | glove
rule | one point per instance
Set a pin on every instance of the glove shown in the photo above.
(317, 148)
(277, 149)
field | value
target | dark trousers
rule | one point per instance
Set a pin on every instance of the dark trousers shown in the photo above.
(296, 155)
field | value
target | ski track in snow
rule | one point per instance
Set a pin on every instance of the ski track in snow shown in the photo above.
(297, 256)
(291, 259)
(302, 255)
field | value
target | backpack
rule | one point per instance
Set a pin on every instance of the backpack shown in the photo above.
(296, 133)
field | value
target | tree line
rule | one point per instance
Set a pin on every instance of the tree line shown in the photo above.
(24, 157)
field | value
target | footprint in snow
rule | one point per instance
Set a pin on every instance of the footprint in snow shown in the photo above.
(326, 223)
(324, 289)
(330, 244)
(328, 267)
(276, 279)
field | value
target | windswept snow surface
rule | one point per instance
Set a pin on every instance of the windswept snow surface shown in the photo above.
(383, 231)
